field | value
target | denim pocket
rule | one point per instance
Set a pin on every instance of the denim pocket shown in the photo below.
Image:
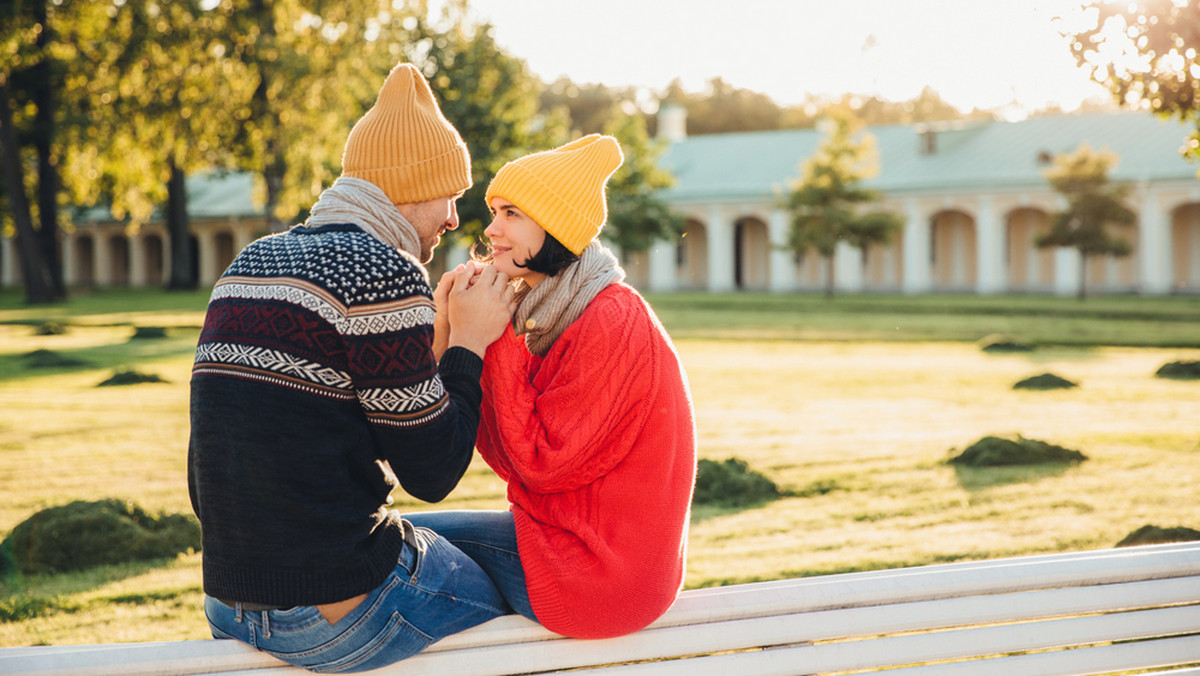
(397, 640)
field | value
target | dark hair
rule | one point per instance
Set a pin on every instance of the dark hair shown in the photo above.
(550, 260)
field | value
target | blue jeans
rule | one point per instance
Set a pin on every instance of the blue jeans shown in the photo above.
(490, 539)
(434, 591)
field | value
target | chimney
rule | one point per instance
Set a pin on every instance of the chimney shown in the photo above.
(672, 122)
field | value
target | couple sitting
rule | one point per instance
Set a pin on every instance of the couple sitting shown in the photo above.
(328, 372)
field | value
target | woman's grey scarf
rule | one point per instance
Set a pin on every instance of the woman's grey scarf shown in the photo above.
(353, 200)
(546, 310)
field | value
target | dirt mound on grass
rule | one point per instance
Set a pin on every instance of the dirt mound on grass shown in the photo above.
(1153, 535)
(994, 451)
(1045, 381)
(84, 534)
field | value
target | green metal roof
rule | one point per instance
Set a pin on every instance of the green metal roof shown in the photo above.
(971, 155)
(211, 194)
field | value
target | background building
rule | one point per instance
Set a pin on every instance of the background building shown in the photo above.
(972, 194)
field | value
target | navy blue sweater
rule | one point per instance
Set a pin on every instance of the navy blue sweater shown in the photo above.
(314, 392)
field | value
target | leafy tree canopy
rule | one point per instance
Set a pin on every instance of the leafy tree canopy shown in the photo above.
(1146, 52)
(1094, 205)
(827, 203)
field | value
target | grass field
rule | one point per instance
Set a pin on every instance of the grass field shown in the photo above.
(851, 405)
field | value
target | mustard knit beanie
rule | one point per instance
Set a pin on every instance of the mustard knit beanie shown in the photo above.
(404, 144)
(562, 189)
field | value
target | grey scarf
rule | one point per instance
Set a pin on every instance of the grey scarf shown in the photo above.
(353, 200)
(546, 310)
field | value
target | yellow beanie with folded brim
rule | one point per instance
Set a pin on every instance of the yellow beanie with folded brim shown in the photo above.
(404, 144)
(562, 189)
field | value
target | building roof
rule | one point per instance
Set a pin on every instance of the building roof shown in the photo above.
(211, 194)
(969, 155)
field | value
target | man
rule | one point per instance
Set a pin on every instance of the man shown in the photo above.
(315, 391)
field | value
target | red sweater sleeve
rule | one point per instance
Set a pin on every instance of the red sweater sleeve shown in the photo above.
(550, 424)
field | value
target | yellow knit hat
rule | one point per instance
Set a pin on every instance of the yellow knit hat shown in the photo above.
(562, 189)
(404, 144)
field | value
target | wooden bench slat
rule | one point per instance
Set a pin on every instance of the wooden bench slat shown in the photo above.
(823, 625)
(1103, 659)
(799, 660)
(880, 618)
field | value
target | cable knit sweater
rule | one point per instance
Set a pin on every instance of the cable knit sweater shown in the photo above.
(315, 392)
(597, 443)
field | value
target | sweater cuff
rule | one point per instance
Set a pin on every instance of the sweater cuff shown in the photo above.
(462, 361)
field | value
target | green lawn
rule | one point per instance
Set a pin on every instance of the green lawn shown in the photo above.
(852, 418)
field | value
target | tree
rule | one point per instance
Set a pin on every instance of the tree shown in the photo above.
(1093, 204)
(636, 216)
(312, 67)
(1147, 52)
(827, 203)
(489, 96)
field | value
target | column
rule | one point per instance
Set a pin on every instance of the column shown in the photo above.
(720, 252)
(1066, 271)
(1154, 245)
(8, 262)
(101, 259)
(916, 249)
(137, 260)
(243, 234)
(783, 265)
(989, 249)
(206, 257)
(848, 268)
(662, 256)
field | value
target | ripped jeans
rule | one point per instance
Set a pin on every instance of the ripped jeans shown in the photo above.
(435, 590)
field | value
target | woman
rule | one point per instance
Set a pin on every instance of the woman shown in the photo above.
(586, 413)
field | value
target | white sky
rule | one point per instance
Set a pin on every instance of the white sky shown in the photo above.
(974, 53)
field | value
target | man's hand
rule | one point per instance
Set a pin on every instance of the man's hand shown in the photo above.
(479, 303)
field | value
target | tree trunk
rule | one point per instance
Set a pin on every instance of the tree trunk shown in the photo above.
(1083, 260)
(184, 275)
(829, 276)
(37, 290)
(44, 100)
(274, 165)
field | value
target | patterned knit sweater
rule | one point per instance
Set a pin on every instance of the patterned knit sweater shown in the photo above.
(597, 443)
(315, 391)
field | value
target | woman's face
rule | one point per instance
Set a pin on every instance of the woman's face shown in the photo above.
(515, 238)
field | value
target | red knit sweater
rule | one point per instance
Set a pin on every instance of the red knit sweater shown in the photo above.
(597, 443)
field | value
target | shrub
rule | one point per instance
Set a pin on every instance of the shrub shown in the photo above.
(1152, 535)
(83, 534)
(1179, 370)
(48, 359)
(1000, 343)
(993, 451)
(130, 377)
(1045, 381)
(732, 484)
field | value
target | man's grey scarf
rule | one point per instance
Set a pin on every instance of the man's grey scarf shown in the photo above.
(546, 310)
(353, 200)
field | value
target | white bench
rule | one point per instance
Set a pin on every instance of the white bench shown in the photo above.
(1078, 613)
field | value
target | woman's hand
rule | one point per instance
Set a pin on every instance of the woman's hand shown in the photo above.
(479, 303)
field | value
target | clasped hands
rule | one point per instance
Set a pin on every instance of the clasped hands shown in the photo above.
(474, 303)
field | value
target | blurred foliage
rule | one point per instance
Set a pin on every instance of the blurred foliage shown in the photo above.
(826, 204)
(1094, 205)
(1147, 53)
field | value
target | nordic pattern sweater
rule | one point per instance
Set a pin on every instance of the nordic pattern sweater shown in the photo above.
(597, 443)
(314, 392)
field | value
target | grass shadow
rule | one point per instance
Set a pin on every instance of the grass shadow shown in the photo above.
(976, 479)
(129, 353)
(24, 597)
